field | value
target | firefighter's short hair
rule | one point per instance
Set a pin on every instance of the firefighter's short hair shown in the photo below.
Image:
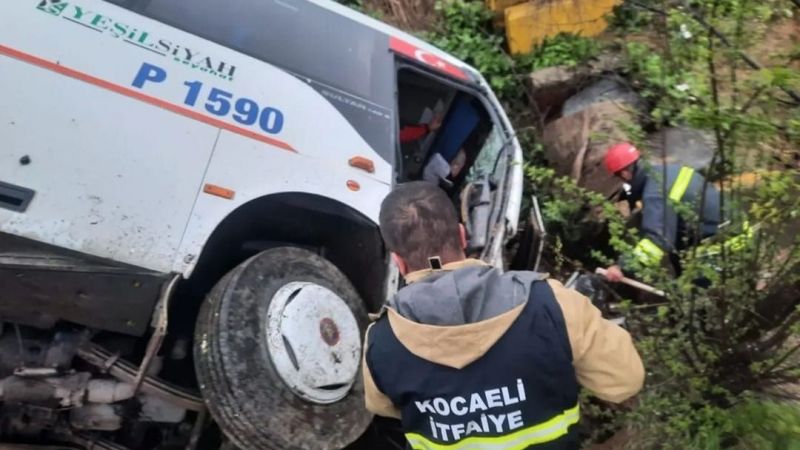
(419, 222)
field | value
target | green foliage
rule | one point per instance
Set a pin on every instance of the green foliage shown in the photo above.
(563, 203)
(562, 50)
(466, 32)
(793, 127)
(707, 350)
(572, 213)
(727, 331)
(698, 345)
(753, 424)
(764, 425)
(627, 18)
(671, 90)
(674, 72)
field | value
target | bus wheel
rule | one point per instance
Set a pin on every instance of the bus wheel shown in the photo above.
(278, 352)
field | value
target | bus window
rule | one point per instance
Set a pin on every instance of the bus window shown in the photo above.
(454, 143)
(438, 124)
(490, 161)
(422, 103)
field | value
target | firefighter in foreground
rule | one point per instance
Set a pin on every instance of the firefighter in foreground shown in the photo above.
(664, 232)
(468, 355)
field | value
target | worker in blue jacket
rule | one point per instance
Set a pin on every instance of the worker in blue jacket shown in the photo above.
(660, 188)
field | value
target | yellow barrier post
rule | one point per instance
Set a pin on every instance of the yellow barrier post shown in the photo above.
(529, 23)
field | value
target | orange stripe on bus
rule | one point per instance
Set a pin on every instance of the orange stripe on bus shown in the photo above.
(58, 68)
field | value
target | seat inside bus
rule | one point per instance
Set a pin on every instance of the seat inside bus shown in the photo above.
(456, 144)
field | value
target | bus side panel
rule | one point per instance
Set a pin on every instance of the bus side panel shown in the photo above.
(272, 174)
(323, 142)
(114, 175)
(150, 105)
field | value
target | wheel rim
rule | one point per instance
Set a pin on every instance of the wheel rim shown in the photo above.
(313, 341)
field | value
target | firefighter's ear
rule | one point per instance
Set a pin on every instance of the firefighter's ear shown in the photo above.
(463, 235)
(401, 263)
(626, 174)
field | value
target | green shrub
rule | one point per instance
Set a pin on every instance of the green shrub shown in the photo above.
(627, 18)
(562, 50)
(466, 31)
(713, 355)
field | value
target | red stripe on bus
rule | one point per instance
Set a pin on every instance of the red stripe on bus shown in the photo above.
(58, 68)
(425, 57)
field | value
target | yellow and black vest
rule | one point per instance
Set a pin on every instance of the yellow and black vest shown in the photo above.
(521, 394)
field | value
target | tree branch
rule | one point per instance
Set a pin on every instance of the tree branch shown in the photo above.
(747, 59)
(783, 358)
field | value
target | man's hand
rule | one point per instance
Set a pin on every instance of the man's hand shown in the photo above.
(436, 123)
(614, 274)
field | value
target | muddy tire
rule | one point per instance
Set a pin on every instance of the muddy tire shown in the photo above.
(277, 353)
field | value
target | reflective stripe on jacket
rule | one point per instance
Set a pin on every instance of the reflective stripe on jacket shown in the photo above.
(663, 229)
(521, 393)
(454, 316)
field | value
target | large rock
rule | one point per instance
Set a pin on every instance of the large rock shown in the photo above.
(603, 90)
(552, 86)
(683, 145)
(575, 145)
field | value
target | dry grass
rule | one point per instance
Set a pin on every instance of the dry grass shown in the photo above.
(411, 15)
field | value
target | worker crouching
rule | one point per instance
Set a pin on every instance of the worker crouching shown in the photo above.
(661, 188)
(470, 357)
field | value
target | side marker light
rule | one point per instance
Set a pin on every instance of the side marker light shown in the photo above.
(219, 191)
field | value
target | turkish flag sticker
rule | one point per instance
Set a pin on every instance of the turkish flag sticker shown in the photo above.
(427, 58)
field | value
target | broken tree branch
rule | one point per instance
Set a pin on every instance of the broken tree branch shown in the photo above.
(577, 165)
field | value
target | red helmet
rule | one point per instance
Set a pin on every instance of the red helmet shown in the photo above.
(620, 156)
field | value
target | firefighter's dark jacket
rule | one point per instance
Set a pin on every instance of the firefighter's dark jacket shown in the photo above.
(453, 317)
(660, 188)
